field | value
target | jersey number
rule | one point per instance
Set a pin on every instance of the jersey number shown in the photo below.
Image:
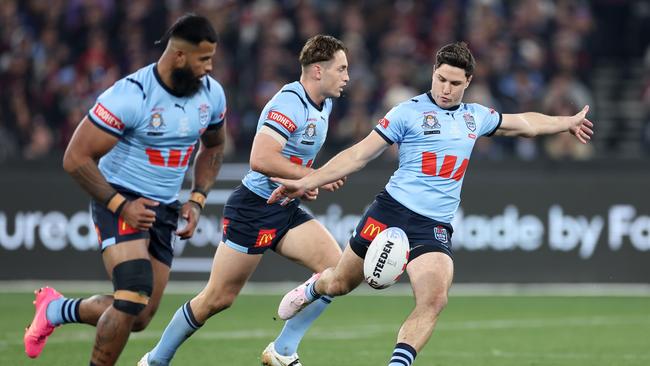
(448, 164)
(174, 159)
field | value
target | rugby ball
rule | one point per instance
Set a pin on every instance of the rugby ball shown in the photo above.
(386, 258)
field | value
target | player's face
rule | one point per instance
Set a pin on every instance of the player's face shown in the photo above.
(448, 85)
(334, 75)
(195, 63)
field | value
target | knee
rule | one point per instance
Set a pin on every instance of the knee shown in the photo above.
(434, 304)
(133, 285)
(218, 303)
(143, 319)
(140, 324)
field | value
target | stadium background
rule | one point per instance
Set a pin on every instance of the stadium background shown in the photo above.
(539, 217)
(534, 211)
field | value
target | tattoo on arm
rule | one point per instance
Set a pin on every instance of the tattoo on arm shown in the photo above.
(93, 182)
(208, 161)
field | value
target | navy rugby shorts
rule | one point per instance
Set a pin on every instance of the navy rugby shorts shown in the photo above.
(425, 235)
(111, 229)
(252, 226)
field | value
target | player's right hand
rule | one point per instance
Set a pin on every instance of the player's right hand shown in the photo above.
(310, 195)
(138, 215)
(288, 190)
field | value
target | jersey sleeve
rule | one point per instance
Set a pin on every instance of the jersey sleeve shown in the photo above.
(117, 109)
(391, 127)
(218, 98)
(490, 120)
(285, 114)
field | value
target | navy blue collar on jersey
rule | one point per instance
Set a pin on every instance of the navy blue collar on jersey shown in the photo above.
(434, 102)
(318, 107)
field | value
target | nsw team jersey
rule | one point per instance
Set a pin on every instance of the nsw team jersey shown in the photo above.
(434, 149)
(157, 131)
(292, 114)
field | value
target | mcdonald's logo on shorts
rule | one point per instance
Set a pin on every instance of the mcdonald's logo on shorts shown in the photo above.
(125, 229)
(371, 228)
(265, 237)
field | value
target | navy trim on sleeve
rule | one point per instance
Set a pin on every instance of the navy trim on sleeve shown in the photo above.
(216, 126)
(299, 97)
(276, 130)
(101, 127)
(497, 127)
(144, 95)
(383, 136)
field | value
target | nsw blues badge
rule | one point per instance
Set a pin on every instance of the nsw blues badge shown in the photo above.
(440, 233)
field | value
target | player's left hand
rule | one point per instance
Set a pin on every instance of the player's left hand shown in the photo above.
(581, 127)
(191, 213)
(334, 185)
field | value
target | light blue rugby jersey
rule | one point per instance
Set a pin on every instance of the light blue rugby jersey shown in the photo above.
(157, 131)
(302, 122)
(434, 149)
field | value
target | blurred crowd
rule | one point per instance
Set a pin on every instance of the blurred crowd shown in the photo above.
(56, 56)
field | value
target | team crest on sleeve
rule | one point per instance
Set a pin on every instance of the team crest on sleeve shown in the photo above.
(440, 233)
(469, 121)
(430, 124)
(309, 135)
(384, 122)
(204, 114)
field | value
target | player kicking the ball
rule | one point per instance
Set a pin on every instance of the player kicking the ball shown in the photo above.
(435, 133)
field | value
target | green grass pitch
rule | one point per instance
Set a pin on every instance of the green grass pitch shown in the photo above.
(360, 331)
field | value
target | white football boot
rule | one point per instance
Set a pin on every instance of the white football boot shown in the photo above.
(272, 358)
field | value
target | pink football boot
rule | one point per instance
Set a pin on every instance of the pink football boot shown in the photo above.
(295, 300)
(40, 328)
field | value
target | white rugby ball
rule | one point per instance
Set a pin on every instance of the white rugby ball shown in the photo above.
(386, 258)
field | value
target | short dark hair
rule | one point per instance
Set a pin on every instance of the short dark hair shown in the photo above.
(191, 28)
(458, 55)
(320, 48)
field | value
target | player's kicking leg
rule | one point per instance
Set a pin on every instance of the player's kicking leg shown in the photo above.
(431, 276)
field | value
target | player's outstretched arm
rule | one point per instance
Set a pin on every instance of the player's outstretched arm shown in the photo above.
(88, 144)
(347, 161)
(531, 124)
(206, 168)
